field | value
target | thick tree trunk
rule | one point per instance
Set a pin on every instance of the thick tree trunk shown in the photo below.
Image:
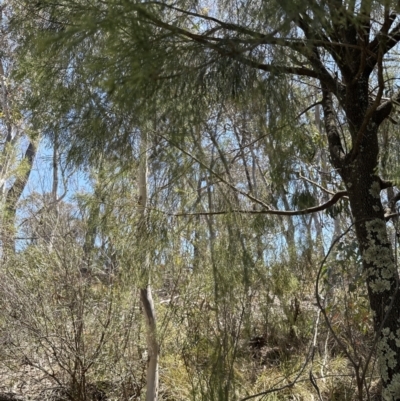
(358, 171)
(381, 275)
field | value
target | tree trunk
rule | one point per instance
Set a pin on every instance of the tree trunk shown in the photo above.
(152, 344)
(380, 273)
(358, 172)
(145, 292)
(11, 198)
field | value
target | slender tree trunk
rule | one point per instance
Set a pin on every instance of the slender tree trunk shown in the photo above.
(152, 343)
(197, 235)
(11, 199)
(145, 293)
(10, 195)
(53, 207)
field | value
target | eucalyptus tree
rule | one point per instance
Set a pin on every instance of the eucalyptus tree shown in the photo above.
(108, 66)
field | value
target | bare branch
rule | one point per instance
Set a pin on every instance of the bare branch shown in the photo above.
(391, 215)
(335, 198)
(319, 300)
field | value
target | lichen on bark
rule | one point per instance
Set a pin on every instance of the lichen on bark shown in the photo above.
(377, 255)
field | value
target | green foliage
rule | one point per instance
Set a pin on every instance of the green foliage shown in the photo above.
(230, 135)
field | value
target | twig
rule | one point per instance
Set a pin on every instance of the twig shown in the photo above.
(309, 357)
(319, 301)
(316, 184)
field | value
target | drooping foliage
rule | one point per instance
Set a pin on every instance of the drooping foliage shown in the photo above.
(253, 112)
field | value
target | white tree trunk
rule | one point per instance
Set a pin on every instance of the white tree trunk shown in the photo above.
(145, 293)
(152, 344)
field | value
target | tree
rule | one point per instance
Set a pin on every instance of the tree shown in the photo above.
(15, 169)
(187, 60)
(146, 292)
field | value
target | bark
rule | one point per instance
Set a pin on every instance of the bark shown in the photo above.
(380, 272)
(381, 275)
(145, 292)
(10, 194)
(54, 208)
(11, 199)
(152, 344)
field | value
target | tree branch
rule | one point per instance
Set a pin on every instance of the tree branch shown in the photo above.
(214, 173)
(386, 108)
(16, 190)
(317, 185)
(371, 111)
(335, 145)
(225, 25)
(365, 14)
(335, 198)
(266, 210)
(314, 58)
(391, 40)
(227, 48)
